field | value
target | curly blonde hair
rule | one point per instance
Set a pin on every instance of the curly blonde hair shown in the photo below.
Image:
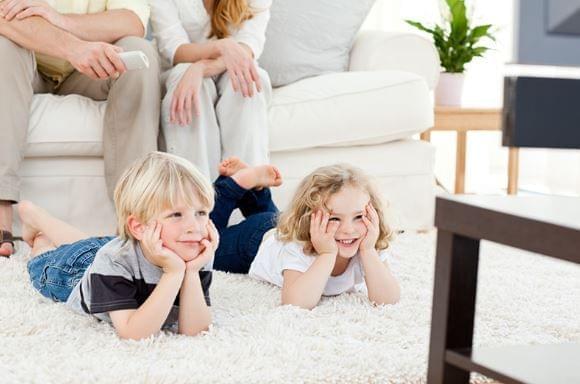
(313, 193)
(227, 15)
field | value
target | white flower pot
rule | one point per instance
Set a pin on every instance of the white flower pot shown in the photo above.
(449, 89)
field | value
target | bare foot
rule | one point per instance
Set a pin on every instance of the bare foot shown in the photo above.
(26, 211)
(6, 249)
(262, 176)
(231, 165)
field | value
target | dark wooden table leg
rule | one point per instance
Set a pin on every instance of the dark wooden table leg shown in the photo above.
(453, 304)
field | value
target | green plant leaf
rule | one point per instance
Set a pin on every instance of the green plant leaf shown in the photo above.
(419, 26)
(459, 22)
(455, 40)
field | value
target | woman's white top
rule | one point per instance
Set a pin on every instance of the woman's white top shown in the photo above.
(178, 22)
(275, 256)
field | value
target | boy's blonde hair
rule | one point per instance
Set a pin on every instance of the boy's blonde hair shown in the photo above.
(313, 193)
(157, 182)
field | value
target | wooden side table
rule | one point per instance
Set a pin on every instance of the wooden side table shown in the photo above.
(463, 120)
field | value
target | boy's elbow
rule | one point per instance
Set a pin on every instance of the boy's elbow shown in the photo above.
(196, 329)
(126, 332)
(127, 335)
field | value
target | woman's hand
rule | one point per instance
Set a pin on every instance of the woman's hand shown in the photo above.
(186, 96)
(210, 245)
(371, 220)
(156, 253)
(322, 233)
(240, 66)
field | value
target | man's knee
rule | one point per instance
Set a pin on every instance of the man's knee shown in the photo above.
(147, 78)
(132, 43)
(10, 51)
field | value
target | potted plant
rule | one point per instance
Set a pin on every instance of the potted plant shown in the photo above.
(457, 43)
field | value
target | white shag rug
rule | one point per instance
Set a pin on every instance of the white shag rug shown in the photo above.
(522, 299)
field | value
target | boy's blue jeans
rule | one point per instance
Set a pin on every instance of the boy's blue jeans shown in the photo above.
(55, 273)
(239, 243)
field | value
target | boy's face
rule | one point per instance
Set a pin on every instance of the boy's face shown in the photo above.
(183, 228)
(347, 206)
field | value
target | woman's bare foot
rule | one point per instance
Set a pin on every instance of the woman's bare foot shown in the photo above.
(231, 165)
(262, 176)
(27, 211)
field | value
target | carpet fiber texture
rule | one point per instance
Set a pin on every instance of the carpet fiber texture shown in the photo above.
(523, 299)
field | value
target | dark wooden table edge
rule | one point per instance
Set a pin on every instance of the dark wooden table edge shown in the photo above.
(549, 239)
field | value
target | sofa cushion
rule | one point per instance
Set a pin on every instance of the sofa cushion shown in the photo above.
(341, 109)
(350, 108)
(307, 38)
(65, 126)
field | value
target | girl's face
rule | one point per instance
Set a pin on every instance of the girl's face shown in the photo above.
(347, 206)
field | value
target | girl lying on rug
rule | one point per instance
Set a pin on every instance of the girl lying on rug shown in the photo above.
(325, 245)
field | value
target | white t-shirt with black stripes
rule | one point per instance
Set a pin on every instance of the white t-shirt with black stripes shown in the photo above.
(120, 278)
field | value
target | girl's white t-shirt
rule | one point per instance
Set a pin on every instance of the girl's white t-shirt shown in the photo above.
(275, 256)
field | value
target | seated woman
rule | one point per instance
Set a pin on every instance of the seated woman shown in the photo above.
(216, 97)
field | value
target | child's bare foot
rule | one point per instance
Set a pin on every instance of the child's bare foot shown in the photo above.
(231, 165)
(262, 176)
(26, 210)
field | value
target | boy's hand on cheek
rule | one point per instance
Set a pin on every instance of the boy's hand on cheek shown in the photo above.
(209, 246)
(156, 253)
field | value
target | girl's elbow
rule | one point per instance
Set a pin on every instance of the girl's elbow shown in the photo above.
(389, 298)
(297, 303)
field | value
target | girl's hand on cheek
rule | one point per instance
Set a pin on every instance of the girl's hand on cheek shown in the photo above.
(371, 220)
(322, 232)
(158, 254)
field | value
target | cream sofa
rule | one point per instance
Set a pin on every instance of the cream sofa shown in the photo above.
(366, 116)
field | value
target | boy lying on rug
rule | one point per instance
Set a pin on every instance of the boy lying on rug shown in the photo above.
(155, 273)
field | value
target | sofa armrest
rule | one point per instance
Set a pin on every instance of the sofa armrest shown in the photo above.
(379, 50)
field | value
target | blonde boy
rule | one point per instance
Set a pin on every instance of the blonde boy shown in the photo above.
(150, 276)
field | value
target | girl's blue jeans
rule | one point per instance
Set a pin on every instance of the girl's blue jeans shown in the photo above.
(239, 243)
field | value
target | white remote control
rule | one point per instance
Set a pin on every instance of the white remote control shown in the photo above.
(134, 60)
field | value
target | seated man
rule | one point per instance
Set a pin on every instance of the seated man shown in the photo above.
(73, 48)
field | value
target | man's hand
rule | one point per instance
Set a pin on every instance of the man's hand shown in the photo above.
(240, 67)
(21, 9)
(97, 60)
(157, 254)
(185, 99)
(322, 233)
(210, 245)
